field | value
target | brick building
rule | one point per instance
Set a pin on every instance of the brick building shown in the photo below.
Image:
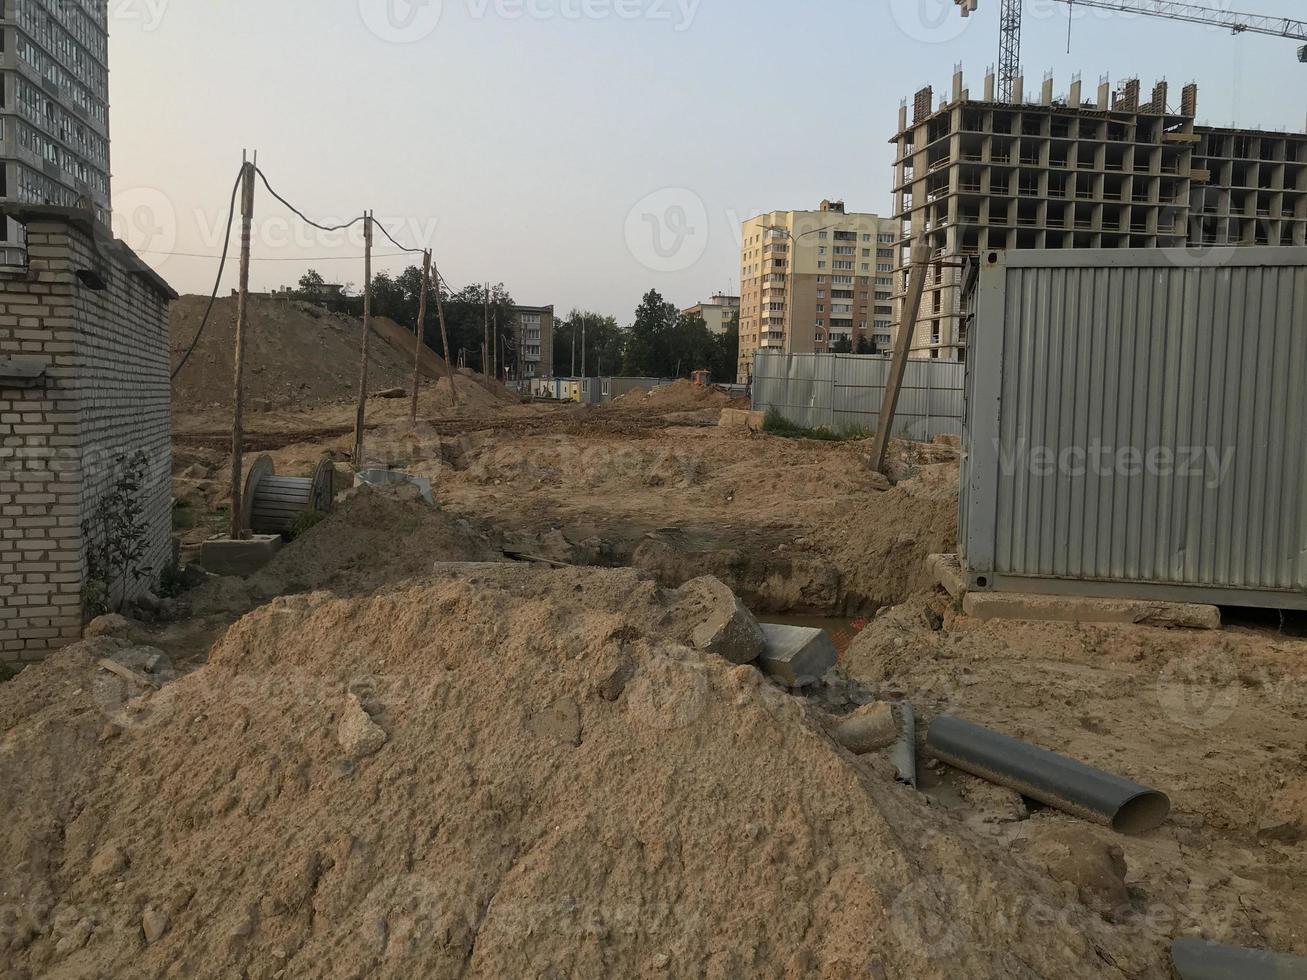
(84, 382)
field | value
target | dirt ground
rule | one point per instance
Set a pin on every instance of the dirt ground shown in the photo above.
(568, 787)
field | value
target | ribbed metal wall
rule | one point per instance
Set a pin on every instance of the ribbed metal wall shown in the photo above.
(844, 391)
(1136, 425)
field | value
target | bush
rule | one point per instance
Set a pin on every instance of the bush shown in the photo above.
(115, 538)
(776, 424)
(306, 520)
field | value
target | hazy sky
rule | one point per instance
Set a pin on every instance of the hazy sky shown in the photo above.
(581, 151)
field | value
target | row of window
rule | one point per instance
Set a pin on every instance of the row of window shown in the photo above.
(51, 151)
(85, 21)
(68, 33)
(57, 121)
(91, 100)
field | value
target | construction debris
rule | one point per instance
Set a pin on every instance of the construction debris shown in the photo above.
(796, 655)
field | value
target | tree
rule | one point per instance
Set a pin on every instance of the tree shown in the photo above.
(649, 341)
(311, 283)
(605, 343)
(726, 353)
(842, 346)
(865, 346)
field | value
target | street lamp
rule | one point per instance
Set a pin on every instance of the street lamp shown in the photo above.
(789, 289)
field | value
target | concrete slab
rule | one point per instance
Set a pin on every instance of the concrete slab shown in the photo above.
(1082, 609)
(740, 418)
(796, 655)
(385, 478)
(946, 570)
(223, 556)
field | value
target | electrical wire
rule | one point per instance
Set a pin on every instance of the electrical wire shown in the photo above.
(301, 214)
(222, 264)
(417, 251)
(269, 258)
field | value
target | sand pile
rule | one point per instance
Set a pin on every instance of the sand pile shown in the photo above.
(504, 771)
(679, 396)
(296, 354)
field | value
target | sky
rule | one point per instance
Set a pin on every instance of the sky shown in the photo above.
(581, 152)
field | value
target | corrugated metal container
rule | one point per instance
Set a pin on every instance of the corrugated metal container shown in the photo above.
(617, 387)
(1137, 425)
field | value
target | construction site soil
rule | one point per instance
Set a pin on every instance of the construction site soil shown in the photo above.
(396, 752)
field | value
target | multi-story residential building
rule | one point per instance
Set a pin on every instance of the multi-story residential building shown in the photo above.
(535, 339)
(717, 313)
(974, 175)
(54, 145)
(815, 280)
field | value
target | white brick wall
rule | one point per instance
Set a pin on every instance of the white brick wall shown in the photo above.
(107, 395)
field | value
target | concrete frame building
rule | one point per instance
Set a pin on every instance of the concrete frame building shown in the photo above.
(811, 278)
(1069, 173)
(54, 147)
(717, 313)
(535, 339)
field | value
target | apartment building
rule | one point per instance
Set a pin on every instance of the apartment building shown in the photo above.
(54, 113)
(535, 339)
(1115, 172)
(814, 280)
(717, 313)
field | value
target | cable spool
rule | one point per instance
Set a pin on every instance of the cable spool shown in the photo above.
(272, 503)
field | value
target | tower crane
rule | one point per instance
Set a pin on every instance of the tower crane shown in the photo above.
(1009, 57)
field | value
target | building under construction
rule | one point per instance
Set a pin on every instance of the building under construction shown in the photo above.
(1115, 172)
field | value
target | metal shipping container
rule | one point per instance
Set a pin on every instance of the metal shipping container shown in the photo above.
(1136, 425)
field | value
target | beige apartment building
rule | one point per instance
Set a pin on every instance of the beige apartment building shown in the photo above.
(811, 280)
(717, 313)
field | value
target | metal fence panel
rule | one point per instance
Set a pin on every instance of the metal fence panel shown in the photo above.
(1137, 425)
(841, 392)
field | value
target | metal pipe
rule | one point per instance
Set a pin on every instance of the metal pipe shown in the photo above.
(1199, 959)
(904, 752)
(1045, 776)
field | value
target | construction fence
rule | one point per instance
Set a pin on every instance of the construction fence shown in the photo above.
(844, 391)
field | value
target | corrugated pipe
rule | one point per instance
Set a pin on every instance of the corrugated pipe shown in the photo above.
(1045, 776)
(1198, 959)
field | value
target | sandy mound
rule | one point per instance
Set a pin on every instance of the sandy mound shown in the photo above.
(296, 354)
(679, 396)
(502, 772)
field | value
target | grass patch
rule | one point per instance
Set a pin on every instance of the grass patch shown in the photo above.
(7, 671)
(776, 424)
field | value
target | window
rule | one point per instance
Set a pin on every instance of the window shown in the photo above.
(866, 253)
(884, 281)
(821, 294)
(885, 239)
(821, 235)
(866, 267)
(866, 238)
(843, 249)
(845, 265)
(821, 249)
(822, 265)
(884, 267)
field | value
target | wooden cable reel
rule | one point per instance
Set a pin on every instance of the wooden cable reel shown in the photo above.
(271, 504)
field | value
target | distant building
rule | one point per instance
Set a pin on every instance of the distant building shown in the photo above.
(718, 312)
(54, 110)
(535, 340)
(810, 279)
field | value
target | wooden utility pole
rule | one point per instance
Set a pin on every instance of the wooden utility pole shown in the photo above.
(899, 363)
(444, 336)
(420, 335)
(583, 346)
(237, 528)
(485, 343)
(367, 329)
(494, 354)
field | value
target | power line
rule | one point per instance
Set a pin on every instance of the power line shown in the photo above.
(222, 264)
(300, 213)
(269, 258)
(392, 239)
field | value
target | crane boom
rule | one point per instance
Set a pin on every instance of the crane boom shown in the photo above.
(1192, 13)
(1009, 53)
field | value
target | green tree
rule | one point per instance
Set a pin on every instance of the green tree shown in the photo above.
(726, 353)
(842, 346)
(311, 283)
(649, 341)
(865, 346)
(604, 338)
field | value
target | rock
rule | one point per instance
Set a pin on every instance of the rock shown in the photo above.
(933, 619)
(108, 861)
(612, 686)
(110, 625)
(868, 728)
(392, 393)
(1095, 869)
(357, 733)
(796, 655)
(560, 721)
(725, 627)
(154, 924)
(75, 938)
(1283, 831)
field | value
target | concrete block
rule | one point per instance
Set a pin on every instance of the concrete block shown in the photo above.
(796, 655)
(740, 418)
(946, 570)
(1086, 609)
(386, 478)
(726, 627)
(223, 556)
